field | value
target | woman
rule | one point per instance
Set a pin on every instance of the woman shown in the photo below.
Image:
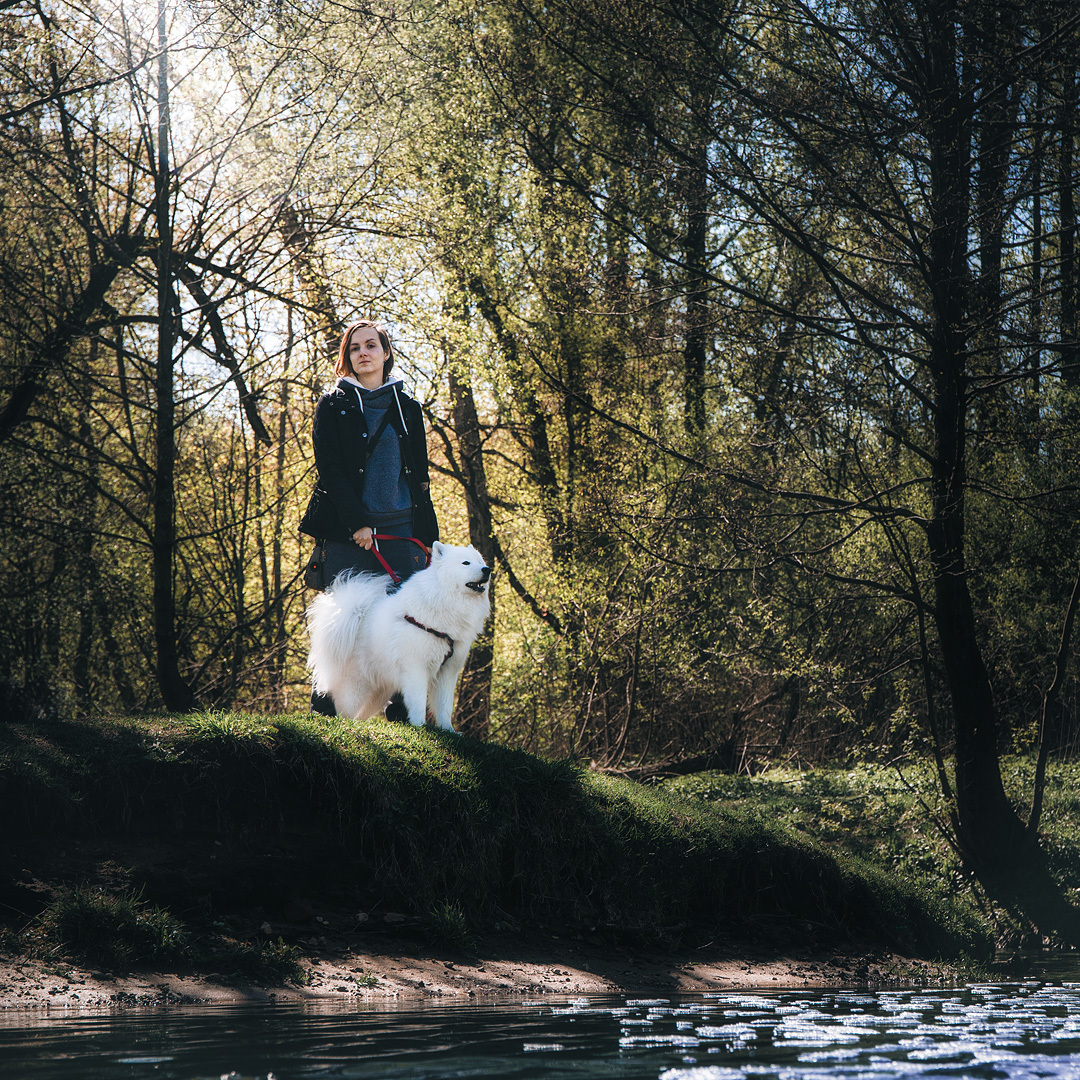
(371, 457)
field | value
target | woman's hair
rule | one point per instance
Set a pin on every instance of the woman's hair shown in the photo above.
(344, 368)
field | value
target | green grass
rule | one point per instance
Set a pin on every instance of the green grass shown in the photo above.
(93, 925)
(462, 834)
(448, 928)
(893, 818)
(120, 930)
(875, 812)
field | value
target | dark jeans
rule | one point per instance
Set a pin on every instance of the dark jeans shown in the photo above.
(404, 557)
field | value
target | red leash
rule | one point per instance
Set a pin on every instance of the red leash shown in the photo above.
(376, 537)
(397, 581)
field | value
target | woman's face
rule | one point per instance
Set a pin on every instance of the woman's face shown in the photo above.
(367, 357)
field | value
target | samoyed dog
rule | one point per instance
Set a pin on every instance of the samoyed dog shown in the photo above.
(370, 640)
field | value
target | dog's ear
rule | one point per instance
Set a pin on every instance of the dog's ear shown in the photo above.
(436, 550)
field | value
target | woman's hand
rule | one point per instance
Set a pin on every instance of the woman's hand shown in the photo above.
(363, 538)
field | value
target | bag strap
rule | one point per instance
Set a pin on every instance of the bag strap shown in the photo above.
(373, 439)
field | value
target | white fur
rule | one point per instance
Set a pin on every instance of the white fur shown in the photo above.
(363, 651)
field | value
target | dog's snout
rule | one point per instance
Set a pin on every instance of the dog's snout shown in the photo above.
(485, 573)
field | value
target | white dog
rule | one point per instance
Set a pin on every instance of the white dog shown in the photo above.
(369, 642)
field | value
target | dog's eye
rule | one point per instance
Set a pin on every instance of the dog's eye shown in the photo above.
(465, 562)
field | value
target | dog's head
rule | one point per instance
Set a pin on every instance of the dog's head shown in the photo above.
(463, 566)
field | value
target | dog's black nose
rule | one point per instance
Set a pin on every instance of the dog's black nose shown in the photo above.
(485, 573)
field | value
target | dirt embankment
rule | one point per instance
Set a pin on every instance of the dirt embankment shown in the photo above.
(388, 955)
(507, 965)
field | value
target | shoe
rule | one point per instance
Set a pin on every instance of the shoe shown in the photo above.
(322, 705)
(396, 711)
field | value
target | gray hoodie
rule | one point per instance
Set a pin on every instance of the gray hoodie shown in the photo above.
(387, 499)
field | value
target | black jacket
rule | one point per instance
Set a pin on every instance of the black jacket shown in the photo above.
(335, 511)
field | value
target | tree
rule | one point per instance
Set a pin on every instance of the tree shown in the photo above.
(545, 323)
(156, 260)
(884, 152)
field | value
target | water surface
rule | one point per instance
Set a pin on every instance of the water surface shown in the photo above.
(1019, 1030)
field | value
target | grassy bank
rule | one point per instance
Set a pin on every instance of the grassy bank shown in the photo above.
(230, 821)
(894, 817)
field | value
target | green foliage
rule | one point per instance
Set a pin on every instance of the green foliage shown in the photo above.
(115, 930)
(266, 963)
(697, 344)
(123, 930)
(448, 928)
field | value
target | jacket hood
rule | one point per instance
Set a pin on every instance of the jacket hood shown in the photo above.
(376, 396)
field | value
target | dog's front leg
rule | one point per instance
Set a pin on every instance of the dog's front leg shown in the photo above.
(414, 691)
(442, 696)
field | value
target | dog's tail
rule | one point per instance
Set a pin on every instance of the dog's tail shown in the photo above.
(334, 618)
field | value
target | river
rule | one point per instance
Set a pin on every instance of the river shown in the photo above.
(1008, 1030)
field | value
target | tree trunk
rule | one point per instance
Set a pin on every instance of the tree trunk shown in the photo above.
(1070, 291)
(314, 283)
(175, 692)
(991, 834)
(695, 347)
(538, 448)
(473, 711)
(82, 663)
(1035, 332)
(277, 625)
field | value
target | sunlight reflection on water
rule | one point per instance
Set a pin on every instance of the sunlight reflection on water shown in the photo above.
(1017, 1030)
